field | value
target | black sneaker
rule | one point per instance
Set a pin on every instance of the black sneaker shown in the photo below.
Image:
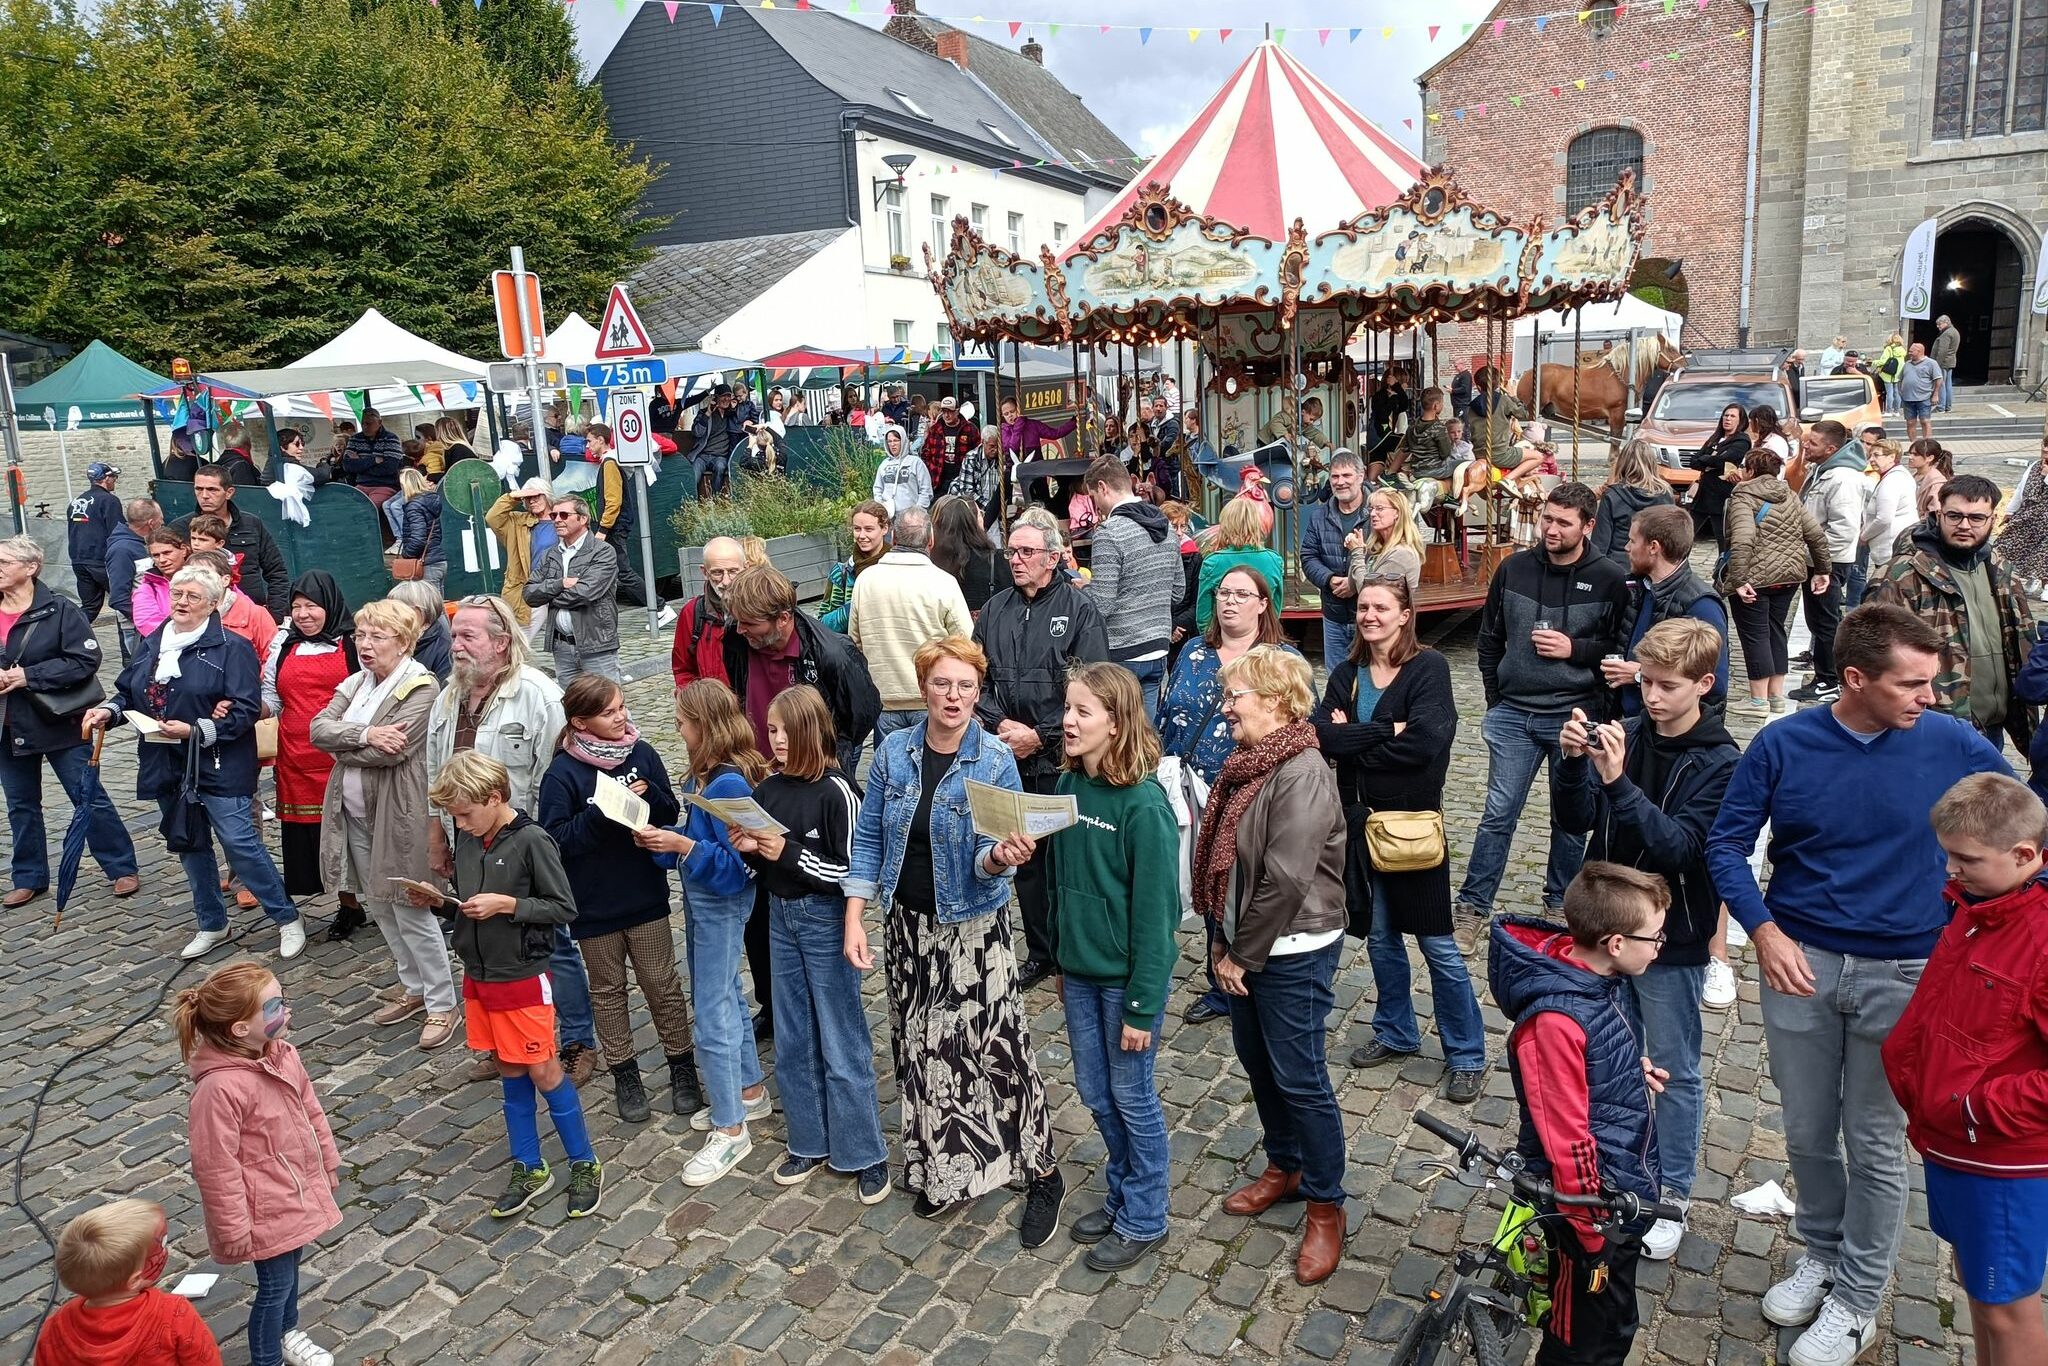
(1464, 1087)
(796, 1170)
(1116, 1252)
(527, 1185)
(1092, 1227)
(1201, 1012)
(1042, 1200)
(1373, 1053)
(586, 1184)
(632, 1093)
(874, 1184)
(1816, 692)
(1032, 972)
(686, 1093)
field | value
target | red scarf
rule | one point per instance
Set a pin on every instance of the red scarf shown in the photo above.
(1244, 773)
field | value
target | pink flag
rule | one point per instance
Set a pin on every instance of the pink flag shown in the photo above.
(1500, 26)
(324, 402)
(1323, 36)
(671, 6)
(1015, 24)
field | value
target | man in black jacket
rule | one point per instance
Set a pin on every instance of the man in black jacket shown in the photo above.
(94, 516)
(264, 577)
(1648, 790)
(1553, 612)
(127, 556)
(1033, 633)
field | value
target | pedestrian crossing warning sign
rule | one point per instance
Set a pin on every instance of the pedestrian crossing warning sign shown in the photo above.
(621, 334)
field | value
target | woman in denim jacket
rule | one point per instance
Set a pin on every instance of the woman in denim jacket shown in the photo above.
(974, 1110)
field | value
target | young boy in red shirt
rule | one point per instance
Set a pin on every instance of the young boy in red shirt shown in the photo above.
(1969, 1063)
(110, 1258)
(1584, 1087)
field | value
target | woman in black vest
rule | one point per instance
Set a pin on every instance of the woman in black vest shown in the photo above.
(1388, 718)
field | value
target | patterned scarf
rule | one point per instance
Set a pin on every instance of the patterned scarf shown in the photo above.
(1244, 773)
(604, 754)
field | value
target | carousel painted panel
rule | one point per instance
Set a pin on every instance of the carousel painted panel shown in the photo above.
(1457, 254)
(1260, 335)
(988, 292)
(1162, 255)
(1592, 255)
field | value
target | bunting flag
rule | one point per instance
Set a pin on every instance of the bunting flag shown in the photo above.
(1500, 26)
(600, 395)
(1434, 29)
(440, 395)
(1323, 36)
(324, 404)
(1194, 35)
(718, 13)
(575, 398)
(671, 6)
(357, 400)
(1223, 35)
(1354, 34)
(418, 396)
(1144, 36)
(1015, 24)
(469, 390)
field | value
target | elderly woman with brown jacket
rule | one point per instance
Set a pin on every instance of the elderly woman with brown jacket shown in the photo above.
(374, 822)
(1269, 871)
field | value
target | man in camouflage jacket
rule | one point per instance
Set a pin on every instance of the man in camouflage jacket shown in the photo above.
(1944, 572)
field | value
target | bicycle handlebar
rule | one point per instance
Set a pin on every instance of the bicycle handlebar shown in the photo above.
(1625, 1206)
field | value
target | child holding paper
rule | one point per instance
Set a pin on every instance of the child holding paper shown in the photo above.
(622, 901)
(718, 896)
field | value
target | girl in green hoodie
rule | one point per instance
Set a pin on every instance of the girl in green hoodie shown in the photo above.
(1116, 908)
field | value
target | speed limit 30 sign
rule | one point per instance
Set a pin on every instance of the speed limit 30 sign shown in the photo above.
(629, 429)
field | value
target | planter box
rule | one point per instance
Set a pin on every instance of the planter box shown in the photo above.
(807, 560)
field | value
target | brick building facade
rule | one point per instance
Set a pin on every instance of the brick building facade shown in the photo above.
(1682, 123)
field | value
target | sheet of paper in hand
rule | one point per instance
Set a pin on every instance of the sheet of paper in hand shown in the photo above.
(744, 812)
(620, 802)
(428, 889)
(1000, 813)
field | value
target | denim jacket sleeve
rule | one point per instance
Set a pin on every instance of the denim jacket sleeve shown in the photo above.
(864, 875)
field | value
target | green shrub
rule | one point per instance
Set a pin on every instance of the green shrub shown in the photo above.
(766, 505)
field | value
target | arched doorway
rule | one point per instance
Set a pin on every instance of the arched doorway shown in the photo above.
(1978, 282)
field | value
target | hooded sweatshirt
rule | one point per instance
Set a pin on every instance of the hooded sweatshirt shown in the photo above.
(1619, 504)
(1836, 495)
(153, 1329)
(902, 481)
(1136, 580)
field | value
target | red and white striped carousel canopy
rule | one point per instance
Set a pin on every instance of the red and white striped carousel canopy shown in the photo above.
(1274, 144)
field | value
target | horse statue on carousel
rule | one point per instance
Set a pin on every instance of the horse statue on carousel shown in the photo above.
(1601, 381)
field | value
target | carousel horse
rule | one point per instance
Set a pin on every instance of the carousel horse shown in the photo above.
(1601, 382)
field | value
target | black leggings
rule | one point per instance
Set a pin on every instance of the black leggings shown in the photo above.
(1763, 627)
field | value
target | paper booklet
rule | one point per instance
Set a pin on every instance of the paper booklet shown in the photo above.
(412, 884)
(744, 812)
(148, 727)
(620, 802)
(1000, 813)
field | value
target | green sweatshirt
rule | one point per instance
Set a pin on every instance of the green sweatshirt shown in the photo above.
(1116, 898)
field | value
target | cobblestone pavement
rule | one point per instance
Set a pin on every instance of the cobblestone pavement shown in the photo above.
(747, 1270)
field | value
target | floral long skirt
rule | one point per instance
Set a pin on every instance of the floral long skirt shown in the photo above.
(974, 1110)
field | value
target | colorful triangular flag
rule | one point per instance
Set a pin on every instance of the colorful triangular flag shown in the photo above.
(671, 6)
(1323, 36)
(323, 402)
(1144, 36)
(1434, 29)
(357, 400)
(717, 13)
(1194, 34)
(1015, 25)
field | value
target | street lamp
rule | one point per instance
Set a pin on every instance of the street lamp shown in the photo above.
(899, 162)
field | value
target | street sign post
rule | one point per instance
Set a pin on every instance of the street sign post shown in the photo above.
(509, 377)
(633, 446)
(515, 306)
(623, 374)
(621, 335)
(533, 329)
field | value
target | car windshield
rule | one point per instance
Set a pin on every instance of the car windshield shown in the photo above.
(1836, 395)
(1704, 402)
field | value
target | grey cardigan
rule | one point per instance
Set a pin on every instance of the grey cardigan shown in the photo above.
(1290, 859)
(589, 603)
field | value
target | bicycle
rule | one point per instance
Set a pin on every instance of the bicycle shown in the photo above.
(1503, 1288)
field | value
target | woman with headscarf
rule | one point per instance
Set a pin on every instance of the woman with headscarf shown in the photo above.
(308, 661)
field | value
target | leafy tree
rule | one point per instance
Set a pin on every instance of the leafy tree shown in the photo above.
(533, 41)
(237, 184)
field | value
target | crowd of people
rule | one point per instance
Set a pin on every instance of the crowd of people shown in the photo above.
(462, 800)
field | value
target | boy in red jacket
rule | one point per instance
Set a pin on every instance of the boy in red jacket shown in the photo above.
(111, 1258)
(1969, 1063)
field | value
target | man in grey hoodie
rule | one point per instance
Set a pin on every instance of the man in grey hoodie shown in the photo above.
(1135, 575)
(1836, 494)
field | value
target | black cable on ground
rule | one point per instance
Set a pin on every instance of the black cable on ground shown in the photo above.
(35, 1115)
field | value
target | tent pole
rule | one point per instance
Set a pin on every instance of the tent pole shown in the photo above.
(156, 456)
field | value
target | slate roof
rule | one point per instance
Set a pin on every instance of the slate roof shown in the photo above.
(689, 288)
(1041, 100)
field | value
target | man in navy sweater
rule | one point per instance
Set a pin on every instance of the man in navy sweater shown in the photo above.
(1854, 908)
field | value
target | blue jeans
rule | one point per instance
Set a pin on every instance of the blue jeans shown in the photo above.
(1150, 674)
(275, 1310)
(1337, 638)
(22, 777)
(1450, 988)
(1517, 742)
(824, 1054)
(1279, 1030)
(573, 1020)
(1668, 998)
(248, 858)
(1118, 1089)
(1859, 575)
(887, 723)
(714, 932)
(712, 467)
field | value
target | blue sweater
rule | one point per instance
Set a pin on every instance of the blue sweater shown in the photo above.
(1855, 868)
(713, 867)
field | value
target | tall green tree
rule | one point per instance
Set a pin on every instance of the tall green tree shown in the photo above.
(532, 41)
(236, 184)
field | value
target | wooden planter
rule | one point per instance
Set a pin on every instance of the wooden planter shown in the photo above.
(807, 560)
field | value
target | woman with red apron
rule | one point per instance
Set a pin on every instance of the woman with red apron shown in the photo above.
(308, 661)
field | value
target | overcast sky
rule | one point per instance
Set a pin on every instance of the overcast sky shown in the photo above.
(1148, 92)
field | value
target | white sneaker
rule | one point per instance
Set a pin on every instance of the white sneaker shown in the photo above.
(291, 939)
(203, 943)
(760, 1107)
(1837, 1337)
(720, 1154)
(300, 1350)
(667, 617)
(1720, 990)
(1796, 1299)
(1737, 936)
(1661, 1242)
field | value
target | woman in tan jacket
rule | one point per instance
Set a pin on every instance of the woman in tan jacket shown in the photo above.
(1269, 871)
(373, 825)
(513, 519)
(1774, 546)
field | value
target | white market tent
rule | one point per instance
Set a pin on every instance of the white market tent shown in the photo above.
(415, 372)
(573, 342)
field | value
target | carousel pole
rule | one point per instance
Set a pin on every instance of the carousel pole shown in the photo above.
(1578, 320)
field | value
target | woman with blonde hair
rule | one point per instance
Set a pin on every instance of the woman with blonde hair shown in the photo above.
(1394, 549)
(1238, 538)
(1633, 483)
(419, 535)
(454, 439)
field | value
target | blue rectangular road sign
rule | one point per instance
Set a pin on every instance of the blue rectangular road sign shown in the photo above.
(623, 374)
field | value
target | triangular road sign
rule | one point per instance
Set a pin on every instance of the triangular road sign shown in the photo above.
(621, 335)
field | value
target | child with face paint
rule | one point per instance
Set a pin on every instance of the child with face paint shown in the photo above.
(261, 1149)
(111, 1258)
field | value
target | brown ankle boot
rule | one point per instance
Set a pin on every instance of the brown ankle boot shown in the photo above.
(1270, 1189)
(1322, 1244)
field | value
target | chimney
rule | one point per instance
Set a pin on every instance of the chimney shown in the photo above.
(1033, 51)
(953, 47)
(906, 27)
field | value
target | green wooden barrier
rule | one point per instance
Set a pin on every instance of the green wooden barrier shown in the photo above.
(476, 562)
(346, 538)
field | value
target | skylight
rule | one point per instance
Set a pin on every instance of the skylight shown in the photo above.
(999, 135)
(908, 103)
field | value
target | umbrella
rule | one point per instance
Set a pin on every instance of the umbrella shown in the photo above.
(74, 834)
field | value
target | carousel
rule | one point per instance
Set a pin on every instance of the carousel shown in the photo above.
(1277, 257)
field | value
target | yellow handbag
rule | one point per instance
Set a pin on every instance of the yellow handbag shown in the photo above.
(1405, 841)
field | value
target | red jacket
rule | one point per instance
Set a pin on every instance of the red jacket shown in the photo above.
(945, 448)
(1969, 1058)
(697, 653)
(153, 1329)
(262, 1153)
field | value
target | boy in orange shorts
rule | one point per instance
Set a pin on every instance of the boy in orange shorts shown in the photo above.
(510, 892)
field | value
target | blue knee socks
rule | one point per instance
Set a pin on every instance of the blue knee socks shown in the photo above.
(520, 1121)
(566, 1109)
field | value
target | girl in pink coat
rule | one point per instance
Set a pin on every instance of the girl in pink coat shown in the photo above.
(261, 1148)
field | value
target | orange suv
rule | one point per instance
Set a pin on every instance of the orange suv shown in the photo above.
(1690, 403)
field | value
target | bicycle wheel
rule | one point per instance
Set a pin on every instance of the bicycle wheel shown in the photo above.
(1424, 1339)
(1488, 1348)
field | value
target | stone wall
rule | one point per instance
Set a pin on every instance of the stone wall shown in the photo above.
(43, 461)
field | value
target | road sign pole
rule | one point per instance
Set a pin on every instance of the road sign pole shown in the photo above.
(529, 326)
(647, 552)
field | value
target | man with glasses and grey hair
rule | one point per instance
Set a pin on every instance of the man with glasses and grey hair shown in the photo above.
(1033, 633)
(498, 704)
(577, 581)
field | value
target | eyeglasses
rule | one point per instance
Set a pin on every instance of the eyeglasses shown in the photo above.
(566, 515)
(1658, 938)
(1232, 694)
(1022, 552)
(1965, 518)
(1237, 595)
(950, 687)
